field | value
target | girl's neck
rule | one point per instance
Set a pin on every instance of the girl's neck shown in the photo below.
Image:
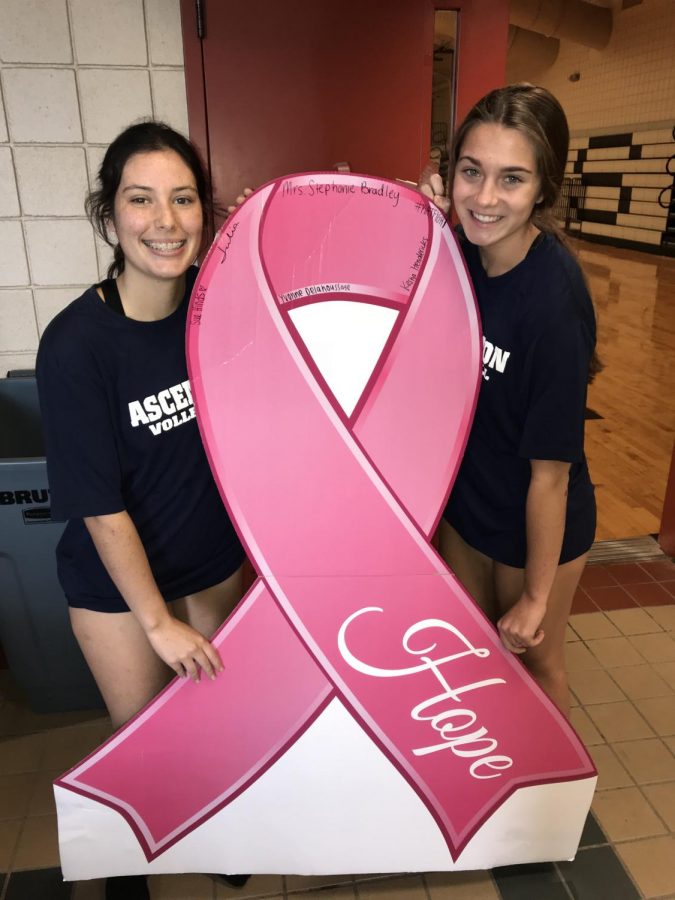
(149, 299)
(504, 256)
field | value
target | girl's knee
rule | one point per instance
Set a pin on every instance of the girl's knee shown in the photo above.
(551, 677)
(551, 669)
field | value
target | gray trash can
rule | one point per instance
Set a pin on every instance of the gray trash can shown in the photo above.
(35, 632)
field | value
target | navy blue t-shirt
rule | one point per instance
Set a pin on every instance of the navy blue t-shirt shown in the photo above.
(120, 434)
(538, 340)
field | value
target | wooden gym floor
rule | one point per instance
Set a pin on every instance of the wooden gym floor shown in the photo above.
(629, 447)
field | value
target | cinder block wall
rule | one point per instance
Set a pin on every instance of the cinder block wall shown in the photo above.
(73, 73)
(621, 111)
(629, 83)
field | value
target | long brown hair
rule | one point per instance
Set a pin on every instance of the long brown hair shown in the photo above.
(536, 114)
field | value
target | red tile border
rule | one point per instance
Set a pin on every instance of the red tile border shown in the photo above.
(651, 594)
(582, 602)
(669, 586)
(596, 576)
(660, 569)
(612, 597)
(629, 573)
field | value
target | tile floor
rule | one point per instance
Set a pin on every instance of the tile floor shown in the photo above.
(621, 660)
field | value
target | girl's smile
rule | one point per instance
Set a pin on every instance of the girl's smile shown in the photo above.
(495, 188)
(158, 216)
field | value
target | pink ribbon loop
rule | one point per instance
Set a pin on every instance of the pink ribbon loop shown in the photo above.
(336, 508)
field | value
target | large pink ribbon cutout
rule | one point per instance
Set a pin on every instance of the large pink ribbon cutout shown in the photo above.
(336, 509)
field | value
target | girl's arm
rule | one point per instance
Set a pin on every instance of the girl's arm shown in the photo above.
(546, 505)
(180, 646)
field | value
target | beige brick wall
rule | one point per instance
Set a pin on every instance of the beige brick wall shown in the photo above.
(73, 73)
(629, 83)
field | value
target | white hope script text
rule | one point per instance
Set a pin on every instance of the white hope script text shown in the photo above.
(457, 726)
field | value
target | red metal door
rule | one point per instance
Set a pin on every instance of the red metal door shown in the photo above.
(280, 86)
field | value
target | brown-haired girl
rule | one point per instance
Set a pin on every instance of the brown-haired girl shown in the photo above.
(521, 516)
(149, 561)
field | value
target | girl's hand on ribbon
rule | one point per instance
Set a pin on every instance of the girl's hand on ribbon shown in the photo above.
(184, 649)
(239, 200)
(431, 185)
(520, 628)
